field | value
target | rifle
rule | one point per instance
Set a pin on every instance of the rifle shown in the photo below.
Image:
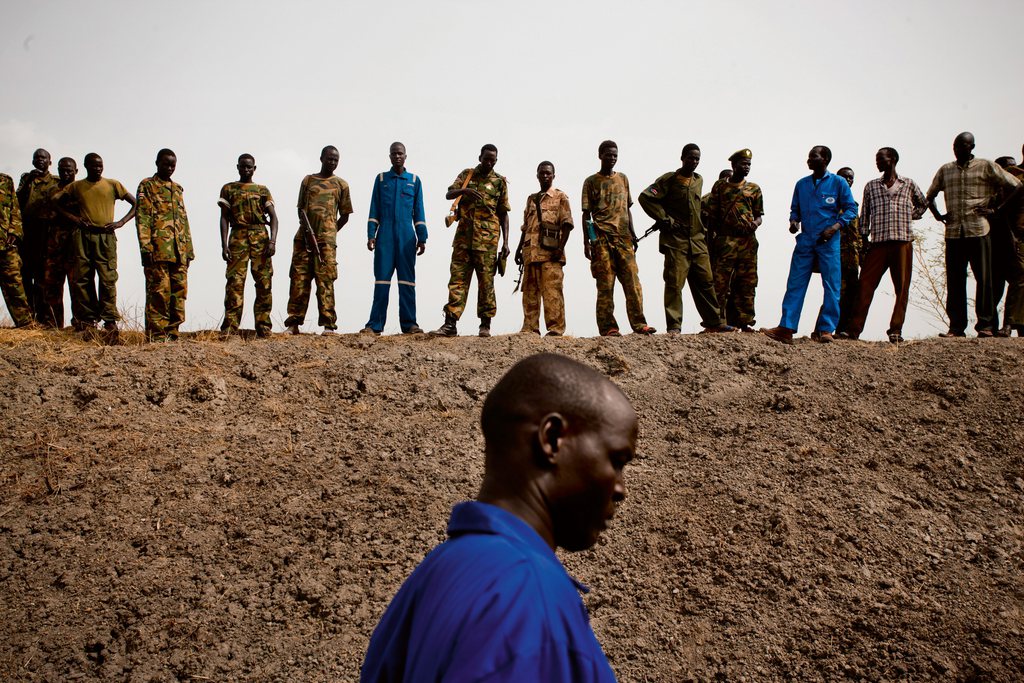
(308, 236)
(519, 280)
(653, 229)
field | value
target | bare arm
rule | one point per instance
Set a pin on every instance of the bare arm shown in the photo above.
(225, 253)
(111, 227)
(272, 247)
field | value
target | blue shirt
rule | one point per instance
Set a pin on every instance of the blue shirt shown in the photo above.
(492, 603)
(820, 204)
(397, 203)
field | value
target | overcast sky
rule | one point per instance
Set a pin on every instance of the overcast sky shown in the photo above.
(541, 80)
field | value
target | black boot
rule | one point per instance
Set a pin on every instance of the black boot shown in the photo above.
(449, 329)
(485, 327)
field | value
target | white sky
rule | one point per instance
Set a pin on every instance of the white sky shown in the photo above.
(541, 80)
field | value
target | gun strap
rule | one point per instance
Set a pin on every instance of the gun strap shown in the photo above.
(455, 204)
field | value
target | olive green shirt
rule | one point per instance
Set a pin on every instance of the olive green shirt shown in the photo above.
(675, 197)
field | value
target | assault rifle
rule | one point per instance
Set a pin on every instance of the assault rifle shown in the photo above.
(308, 236)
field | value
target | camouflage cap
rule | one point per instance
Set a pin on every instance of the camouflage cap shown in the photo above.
(741, 154)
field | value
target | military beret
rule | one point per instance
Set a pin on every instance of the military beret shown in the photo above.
(742, 154)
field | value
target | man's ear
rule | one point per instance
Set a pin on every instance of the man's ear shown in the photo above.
(550, 434)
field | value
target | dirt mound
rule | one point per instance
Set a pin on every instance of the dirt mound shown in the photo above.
(244, 510)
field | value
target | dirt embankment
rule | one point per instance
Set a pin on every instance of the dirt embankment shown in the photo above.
(245, 510)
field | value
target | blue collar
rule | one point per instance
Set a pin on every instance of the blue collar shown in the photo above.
(474, 517)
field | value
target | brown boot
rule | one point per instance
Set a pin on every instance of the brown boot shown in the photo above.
(779, 334)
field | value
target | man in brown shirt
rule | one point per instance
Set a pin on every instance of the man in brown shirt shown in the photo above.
(547, 222)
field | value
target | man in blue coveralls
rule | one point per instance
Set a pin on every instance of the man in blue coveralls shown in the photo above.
(822, 205)
(397, 234)
(493, 602)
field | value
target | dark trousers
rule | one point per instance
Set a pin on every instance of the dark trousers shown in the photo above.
(1004, 266)
(898, 259)
(976, 252)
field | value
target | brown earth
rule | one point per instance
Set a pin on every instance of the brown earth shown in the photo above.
(244, 510)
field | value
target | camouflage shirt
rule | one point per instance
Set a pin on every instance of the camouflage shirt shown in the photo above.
(555, 212)
(10, 214)
(246, 203)
(607, 198)
(162, 222)
(479, 222)
(35, 193)
(733, 207)
(324, 199)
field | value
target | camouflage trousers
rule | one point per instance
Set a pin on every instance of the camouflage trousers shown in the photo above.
(465, 262)
(609, 261)
(60, 268)
(166, 289)
(306, 268)
(736, 278)
(248, 246)
(95, 260)
(849, 263)
(13, 290)
(1013, 314)
(33, 265)
(542, 282)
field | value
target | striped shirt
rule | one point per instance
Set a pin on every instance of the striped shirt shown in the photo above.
(968, 189)
(887, 212)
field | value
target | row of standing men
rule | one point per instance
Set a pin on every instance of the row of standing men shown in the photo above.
(707, 240)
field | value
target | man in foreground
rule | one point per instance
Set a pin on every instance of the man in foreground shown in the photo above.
(891, 203)
(165, 242)
(547, 222)
(493, 602)
(822, 205)
(482, 211)
(396, 234)
(324, 208)
(970, 187)
(246, 213)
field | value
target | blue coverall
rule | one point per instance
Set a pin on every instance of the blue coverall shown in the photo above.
(817, 205)
(397, 223)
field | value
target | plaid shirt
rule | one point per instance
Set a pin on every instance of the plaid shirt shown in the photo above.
(887, 214)
(968, 189)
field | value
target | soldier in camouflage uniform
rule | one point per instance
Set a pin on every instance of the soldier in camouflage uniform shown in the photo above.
(851, 247)
(323, 199)
(734, 211)
(483, 214)
(709, 236)
(610, 244)
(166, 245)
(35, 192)
(89, 204)
(60, 249)
(246, 209)
(541, 252)
(10, 261)
(1013, 315)
(674, 202)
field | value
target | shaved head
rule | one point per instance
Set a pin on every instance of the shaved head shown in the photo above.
(541, 384)
(558, 436)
